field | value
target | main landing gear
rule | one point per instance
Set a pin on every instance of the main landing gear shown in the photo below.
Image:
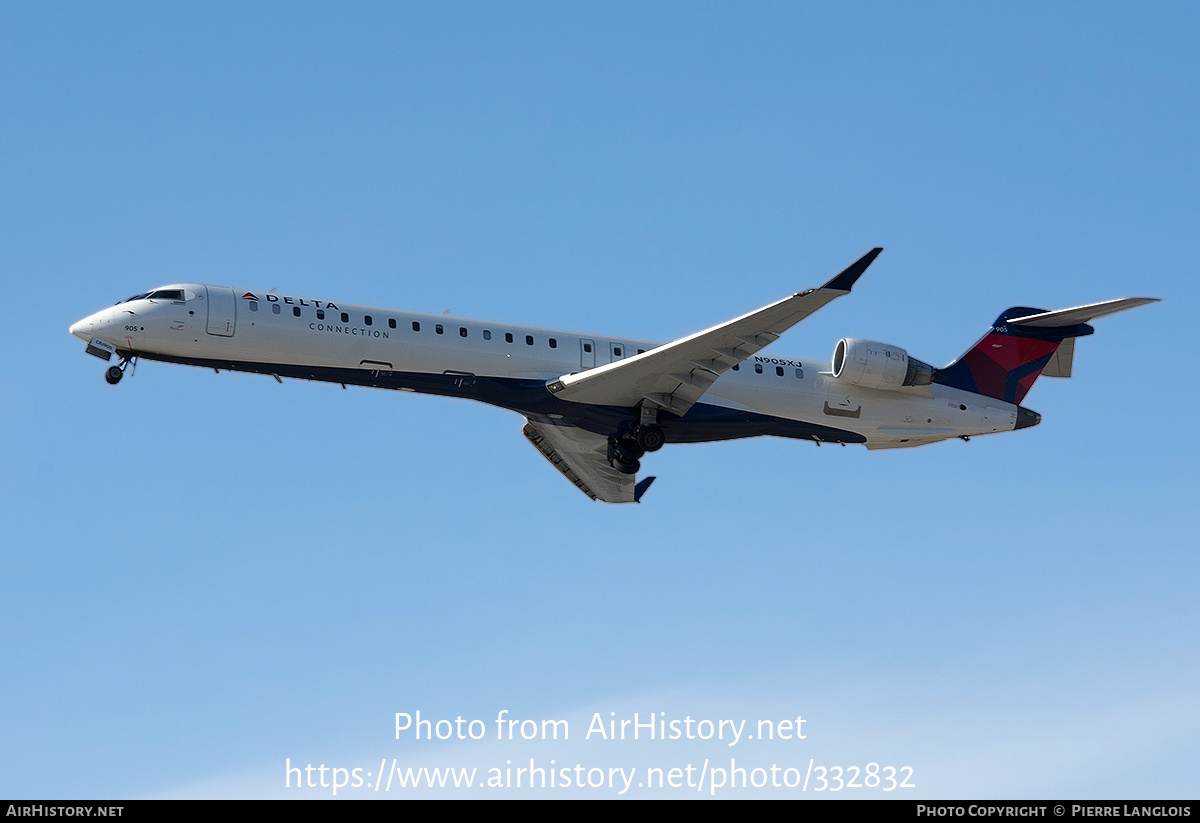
(113, 374)
(625, 452)
(651, 437)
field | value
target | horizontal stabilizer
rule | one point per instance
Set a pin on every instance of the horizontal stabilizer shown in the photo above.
(1080, 314)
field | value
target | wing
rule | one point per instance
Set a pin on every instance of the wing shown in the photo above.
(583, 458)
(674, 376)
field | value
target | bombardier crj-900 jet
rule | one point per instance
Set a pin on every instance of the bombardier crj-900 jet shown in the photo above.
(595, 404)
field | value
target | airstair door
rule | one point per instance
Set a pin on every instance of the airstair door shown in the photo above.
(222, 311)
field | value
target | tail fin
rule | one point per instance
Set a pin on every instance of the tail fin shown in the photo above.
(1023, 343)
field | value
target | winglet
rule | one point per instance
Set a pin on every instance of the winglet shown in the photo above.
(640, 489)
(845, 280)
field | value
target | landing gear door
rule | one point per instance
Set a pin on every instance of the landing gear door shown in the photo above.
(222, 311)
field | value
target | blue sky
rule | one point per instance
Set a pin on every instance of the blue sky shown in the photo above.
(207, 575)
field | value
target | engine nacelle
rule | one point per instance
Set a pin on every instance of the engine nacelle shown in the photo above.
(878, 366)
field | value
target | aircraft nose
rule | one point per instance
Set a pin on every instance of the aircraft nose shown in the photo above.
(93, 324)
(83, 329)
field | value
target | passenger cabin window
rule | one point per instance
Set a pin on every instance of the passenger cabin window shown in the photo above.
(758, 368)
(800, 373)
(553, 343)
(462, 331)
(529, 340)
(438, 328)
(253, 305)
(416, 326)
(275, 308)
(345, 317)
(391, 322)
(617, 351)
(296, 311)
(587, 347)
(737, 366)
(487, 335)
(320, 314)
(779, 370)
(368, 319)
(508, 338)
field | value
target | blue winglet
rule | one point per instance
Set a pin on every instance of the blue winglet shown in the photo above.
(640, 489)
(845, 280)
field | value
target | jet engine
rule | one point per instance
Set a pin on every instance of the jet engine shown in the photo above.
(878, 366)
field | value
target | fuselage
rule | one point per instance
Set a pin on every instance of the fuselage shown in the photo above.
(510, 366)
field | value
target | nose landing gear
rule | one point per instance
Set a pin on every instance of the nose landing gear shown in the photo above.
(113, 374)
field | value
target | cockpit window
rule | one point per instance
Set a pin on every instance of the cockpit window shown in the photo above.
(158, 294)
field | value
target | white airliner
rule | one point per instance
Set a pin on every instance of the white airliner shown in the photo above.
(595, 404)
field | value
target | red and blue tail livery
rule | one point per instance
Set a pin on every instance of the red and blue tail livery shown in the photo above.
(1022, 344)
(595, 405)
